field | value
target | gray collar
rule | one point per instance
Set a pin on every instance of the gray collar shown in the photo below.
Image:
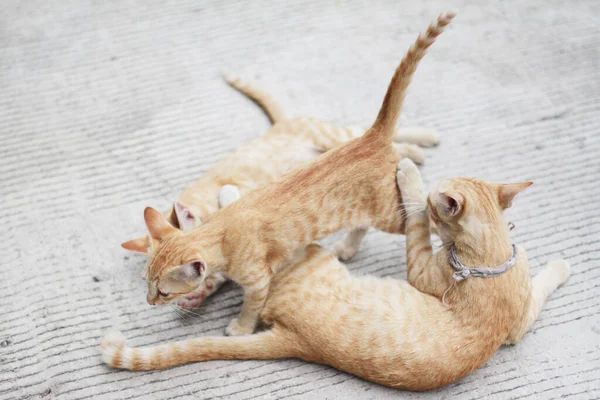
(462, 272)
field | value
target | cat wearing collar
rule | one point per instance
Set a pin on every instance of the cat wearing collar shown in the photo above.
(479, 274)
(350, 187)
(394, 332)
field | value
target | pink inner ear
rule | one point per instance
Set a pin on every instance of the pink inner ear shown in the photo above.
(185, 216)
(198, 266)
(451, 204)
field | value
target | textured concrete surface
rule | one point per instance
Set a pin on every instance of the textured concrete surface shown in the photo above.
(106, 107)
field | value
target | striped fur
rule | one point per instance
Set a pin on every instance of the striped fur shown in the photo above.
(388, 331)
(352, 186)
(390, 110)
(288, 144)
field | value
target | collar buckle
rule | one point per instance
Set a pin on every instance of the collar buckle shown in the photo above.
(462, 272)
(461, 275)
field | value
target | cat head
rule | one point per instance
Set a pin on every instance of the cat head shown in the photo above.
(464, 206)
(180, 216)
(176, 266)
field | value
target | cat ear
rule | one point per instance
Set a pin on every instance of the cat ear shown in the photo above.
(139, 245)
(157, 224)
(185, 217)
(507, 192)
(187, 272)
(452, 204)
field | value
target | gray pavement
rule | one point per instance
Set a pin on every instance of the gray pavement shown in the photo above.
(107, 107)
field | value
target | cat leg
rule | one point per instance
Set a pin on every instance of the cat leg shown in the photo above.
(346, 249)
(419, 255)
(211, 284)
(270, 344)
(542, 285)
(256, 289)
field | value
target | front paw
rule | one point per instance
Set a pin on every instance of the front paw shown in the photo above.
(342, 251)
(210, 285)
(236, 328)
(192, 300)
(409, 182)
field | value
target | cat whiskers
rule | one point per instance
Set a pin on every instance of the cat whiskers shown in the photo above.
(412, 209)
(408, 210)
(182, 312)
(442, 245)
(179, 311)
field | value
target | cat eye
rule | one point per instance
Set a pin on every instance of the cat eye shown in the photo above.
(161, 294)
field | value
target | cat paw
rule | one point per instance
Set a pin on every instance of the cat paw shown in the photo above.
(408, 169)
(343, 252)
(411, 152)
(409, 182)
(228, 194)
(428, 138)
(561, 270)
(235, 328)
(192, 300)
(407, 173)
(418, 135)
(210, 285)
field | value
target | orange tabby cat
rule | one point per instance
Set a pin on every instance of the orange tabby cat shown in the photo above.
(392, 332)
(287, 145)
(350, 187)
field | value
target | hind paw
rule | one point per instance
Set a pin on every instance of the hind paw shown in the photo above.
(236, 328)
(410, 151)
(344, 252)
(421, 136)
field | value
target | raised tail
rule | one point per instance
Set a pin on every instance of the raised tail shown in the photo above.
(260, 346)
(385, 124)
(262, 98)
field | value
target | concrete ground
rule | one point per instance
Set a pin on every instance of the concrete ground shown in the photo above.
(107, 107)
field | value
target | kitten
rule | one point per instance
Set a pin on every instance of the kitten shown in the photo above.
(350, 187)
(393, 332)
(287, 145)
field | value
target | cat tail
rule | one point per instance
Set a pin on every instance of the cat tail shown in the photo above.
(260, 346)
(271, 106)
(385, 124)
